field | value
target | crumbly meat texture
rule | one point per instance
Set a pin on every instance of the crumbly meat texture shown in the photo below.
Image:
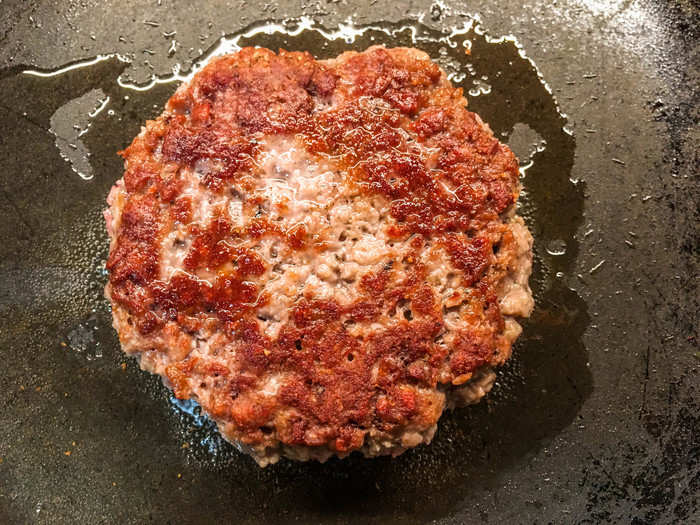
(324, 254)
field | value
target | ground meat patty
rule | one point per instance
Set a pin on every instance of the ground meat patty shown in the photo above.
(324, 254)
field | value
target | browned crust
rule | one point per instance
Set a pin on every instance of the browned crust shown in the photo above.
(337, 388)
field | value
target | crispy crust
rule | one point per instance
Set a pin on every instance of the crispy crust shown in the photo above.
(326, 364)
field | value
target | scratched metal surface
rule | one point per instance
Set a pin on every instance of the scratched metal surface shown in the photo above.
(597, 418)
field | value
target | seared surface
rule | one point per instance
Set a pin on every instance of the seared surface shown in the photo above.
(319, 252)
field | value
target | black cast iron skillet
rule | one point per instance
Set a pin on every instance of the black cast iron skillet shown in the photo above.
(596, 417)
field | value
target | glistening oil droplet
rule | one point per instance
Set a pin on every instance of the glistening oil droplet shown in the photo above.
(556, 247)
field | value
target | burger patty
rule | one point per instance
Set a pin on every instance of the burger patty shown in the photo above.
(324, 254)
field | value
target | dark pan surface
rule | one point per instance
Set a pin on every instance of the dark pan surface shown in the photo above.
(595, 419)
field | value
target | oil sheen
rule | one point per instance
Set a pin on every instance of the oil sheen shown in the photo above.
(93, 108)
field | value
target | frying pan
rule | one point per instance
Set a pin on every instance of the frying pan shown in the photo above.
(595, 419)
